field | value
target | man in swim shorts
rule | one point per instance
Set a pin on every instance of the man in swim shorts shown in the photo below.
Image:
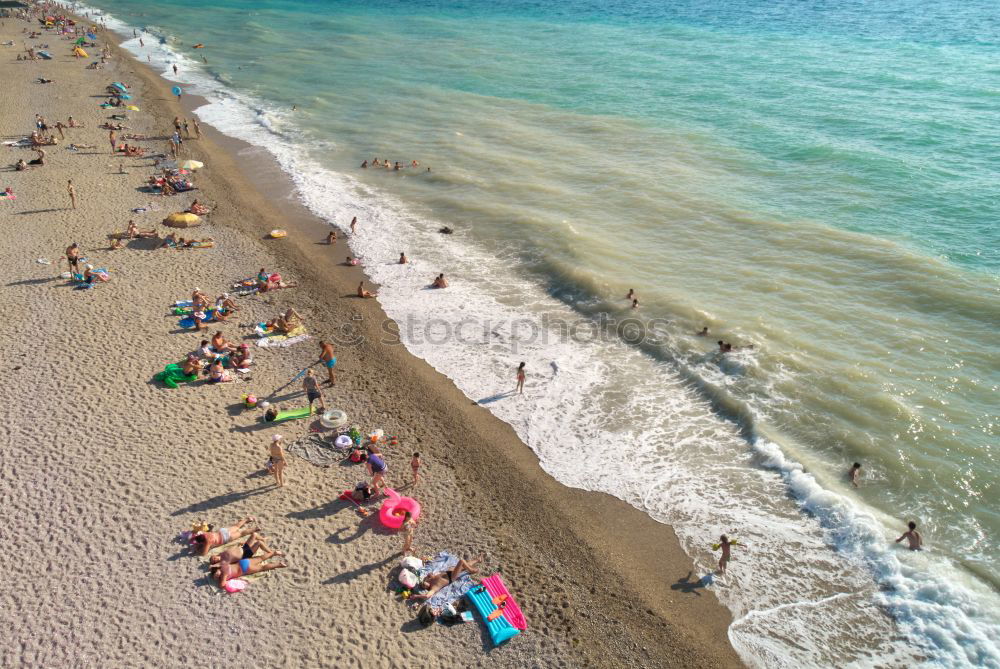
(329, 361)
(224, 571)
(73, 257)
(250, 547)
(311, 386)
(439, 579)
(913, 537)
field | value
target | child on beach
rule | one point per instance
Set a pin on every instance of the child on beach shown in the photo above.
(415, 466)
(408, 527)
(726, 545)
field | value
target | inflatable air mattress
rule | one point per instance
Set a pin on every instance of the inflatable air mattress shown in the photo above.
(499, 628)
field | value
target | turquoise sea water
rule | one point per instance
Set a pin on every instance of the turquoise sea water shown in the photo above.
(819, 181)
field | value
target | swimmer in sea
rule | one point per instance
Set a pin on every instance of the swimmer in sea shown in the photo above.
(364, 165)
(853, 473)
(635, 303)
(703, 333)
(631, 294)
(915, 540)
(402, 258)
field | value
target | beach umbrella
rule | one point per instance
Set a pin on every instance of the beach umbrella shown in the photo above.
(120, 86)
(182, 219)
(131, 108)
(192, 165)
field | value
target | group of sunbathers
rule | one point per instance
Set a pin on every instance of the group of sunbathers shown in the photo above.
(250, 557)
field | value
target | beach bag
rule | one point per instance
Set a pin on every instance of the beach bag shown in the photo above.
(408, 579)
(412, 563)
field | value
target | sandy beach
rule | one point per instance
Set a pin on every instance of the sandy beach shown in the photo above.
(103, 467)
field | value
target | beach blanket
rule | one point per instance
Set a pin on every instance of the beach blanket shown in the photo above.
(281, 341)
(316, 450)
(454, 591)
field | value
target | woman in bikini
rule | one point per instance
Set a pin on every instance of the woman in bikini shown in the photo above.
(439, 579)
(206, 541)
(277, 463)
(224, 571)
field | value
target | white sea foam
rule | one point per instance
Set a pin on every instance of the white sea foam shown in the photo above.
(602, 416)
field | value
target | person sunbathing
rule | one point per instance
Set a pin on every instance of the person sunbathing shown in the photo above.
(241, 358)
(77, 147)
(437, 580)
(364, 293)
(89, 275)
(286, 322)
(169, 240)
(206, 541)
(74, 124)
(198, 208)
(133, 232)
(217, 373)
(198, 299)
(226, 302)
(191, 365)
(254, 543)
(440, 282)
(226, 571)
(221, 344)
(20, 165)
(40, 160)
(275, 282)
(116, 244)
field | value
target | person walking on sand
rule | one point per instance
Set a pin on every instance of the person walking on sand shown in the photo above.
(311, 386)
(354, 225)
(113, 140)
(415, 466)
(72, 192)
(197, 128)
(853, 473)
(520, 378)
(276, 463)
(329, 361)
(915, 540)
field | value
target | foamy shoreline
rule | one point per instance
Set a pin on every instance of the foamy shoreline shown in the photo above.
(104, 468)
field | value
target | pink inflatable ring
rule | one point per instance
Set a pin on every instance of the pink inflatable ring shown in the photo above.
(391, 513)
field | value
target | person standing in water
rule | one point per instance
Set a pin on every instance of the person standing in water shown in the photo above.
(916, 541)
(520, 378)
(726, 545)
(354, 225)
(853, 473)
(402, 258)
(631, 294)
